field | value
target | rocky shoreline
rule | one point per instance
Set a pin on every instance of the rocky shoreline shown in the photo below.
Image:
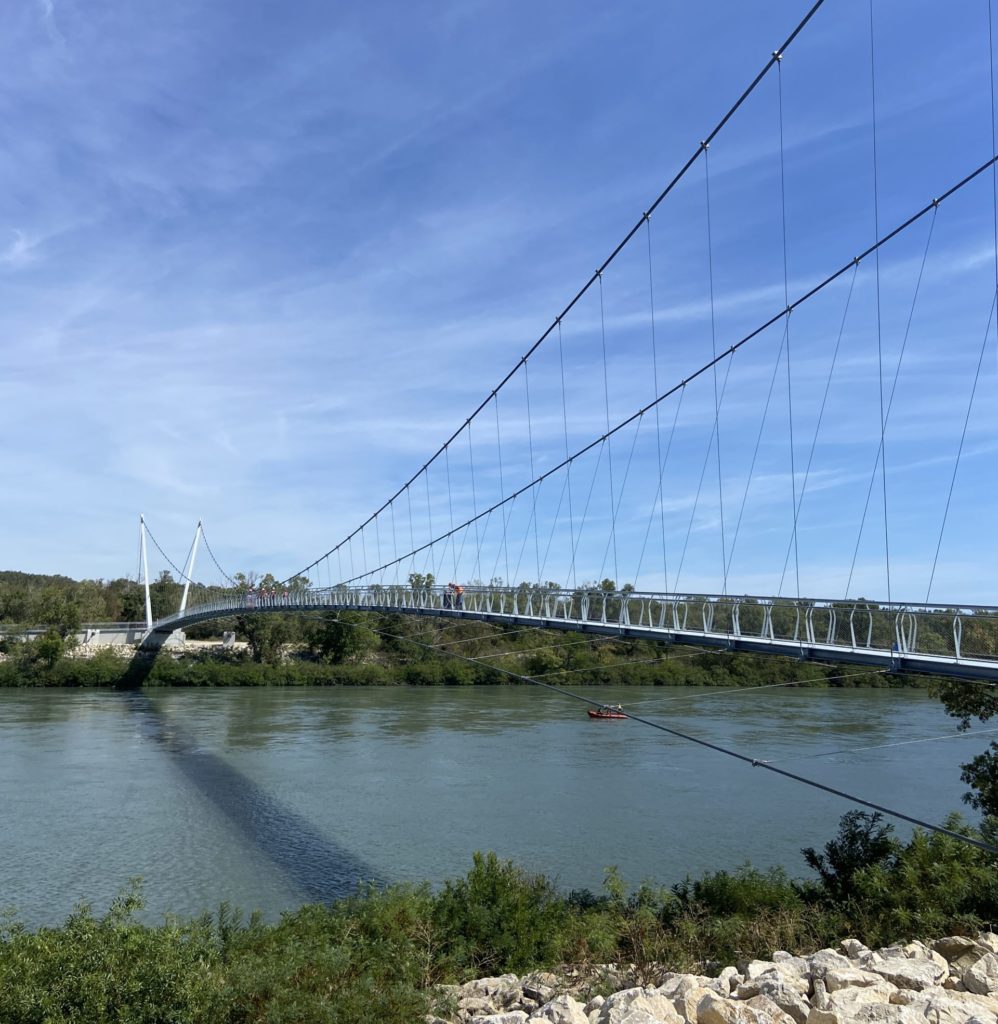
(947, 981)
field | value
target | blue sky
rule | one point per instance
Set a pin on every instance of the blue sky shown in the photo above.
(257, 261)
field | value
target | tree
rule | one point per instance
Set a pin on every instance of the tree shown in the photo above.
(266, 635)
(862, 842)
(967, 700)
(164, 595)
(420, 581)
(56, 608)
(342, 636)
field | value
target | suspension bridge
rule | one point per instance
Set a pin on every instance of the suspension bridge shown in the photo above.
(766, 421)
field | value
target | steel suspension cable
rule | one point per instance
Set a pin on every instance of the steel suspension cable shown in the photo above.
(890, 402)
(502, 491)
(959, 451)
(883, 746)
(786, 299)
(717, 748)
(211, 555)
(660, 493)
(530, 446)
(817, 427)
(183, 576)
(568, 466)
(615, 509)
(676, 179)
(658, 424)
(703, 475)
(609, 443)
(713, 352)
(744, 340)
(994, 143)
(880, 355)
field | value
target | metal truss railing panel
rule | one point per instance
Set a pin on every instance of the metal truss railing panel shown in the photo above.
(931, 636)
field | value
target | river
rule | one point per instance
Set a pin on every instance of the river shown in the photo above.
(268, 798)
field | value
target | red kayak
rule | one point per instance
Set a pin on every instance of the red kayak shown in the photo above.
(607, 712)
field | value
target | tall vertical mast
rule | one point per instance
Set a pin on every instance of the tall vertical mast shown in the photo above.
(190, 568)
(145, 570)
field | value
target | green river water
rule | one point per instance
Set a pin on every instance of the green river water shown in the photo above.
(269, 798)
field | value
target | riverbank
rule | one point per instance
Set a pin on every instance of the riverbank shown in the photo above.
(689, 954)
(590, 663)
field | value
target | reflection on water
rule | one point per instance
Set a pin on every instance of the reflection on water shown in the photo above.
(268, 798)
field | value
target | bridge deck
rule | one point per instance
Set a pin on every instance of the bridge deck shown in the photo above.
(897, 637)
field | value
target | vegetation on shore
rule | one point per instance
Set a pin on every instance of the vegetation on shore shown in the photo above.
(378, 955)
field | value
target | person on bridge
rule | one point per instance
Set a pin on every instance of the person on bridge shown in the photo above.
(458, 595)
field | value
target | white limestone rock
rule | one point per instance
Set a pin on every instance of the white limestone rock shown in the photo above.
(854, 948)
(782, 975)
(541, 986)
(954, 947)
(510, 1017)
(617, 1006)
(798, 964)
(770, 1011)
(872, 1013)
(790, 999)
(561, 1010)
(847, 1002)
(687, 1000)
(982, 977)
(729, 979)
(849, 977)
(825, 960)
(913, 974)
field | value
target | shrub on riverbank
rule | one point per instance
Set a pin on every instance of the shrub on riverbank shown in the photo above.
(377, 955)
(48, 662)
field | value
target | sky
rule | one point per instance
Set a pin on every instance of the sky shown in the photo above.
(258, 261)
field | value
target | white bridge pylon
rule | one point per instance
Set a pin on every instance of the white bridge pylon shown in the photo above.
(934, 640)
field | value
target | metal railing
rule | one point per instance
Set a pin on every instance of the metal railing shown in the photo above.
(914, 637)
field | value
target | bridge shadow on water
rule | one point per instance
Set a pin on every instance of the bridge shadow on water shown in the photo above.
(315, 864)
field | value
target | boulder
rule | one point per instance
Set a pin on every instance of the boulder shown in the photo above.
(756, 967)
(768, 1011)
(673, 985)
(825, 960)
(846, 1003)
(510, 1017)
(982, 976)
(470, 1006)
(872, 1013)
(797, 964)
(790, 999)
(782, 975)
(729, 979)
(688, 999)
(620, 1005)
(561, 1010)
(640, 1016)
(541, 986)
(854, 948)
(989, 941)
(714, 1009)
(849, 977)
(913, 974)
(945, 1007)
(955, 946)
